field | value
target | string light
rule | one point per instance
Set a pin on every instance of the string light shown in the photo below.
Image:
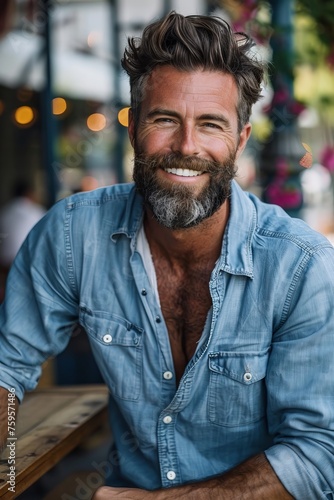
(24, 115)
(59, 105)
(123, 117)
(96, 122)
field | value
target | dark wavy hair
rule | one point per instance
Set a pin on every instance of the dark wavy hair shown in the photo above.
(189, 43)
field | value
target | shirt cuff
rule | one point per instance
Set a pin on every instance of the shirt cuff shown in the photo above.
(291, 470)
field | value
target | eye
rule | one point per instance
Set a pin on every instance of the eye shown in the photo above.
(212, 125)
(163, 119)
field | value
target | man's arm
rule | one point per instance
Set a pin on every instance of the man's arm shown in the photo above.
(252, 480)
(6, 411)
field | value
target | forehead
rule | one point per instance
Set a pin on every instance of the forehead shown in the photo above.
(167, 83)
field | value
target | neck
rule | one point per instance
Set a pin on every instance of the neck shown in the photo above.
(199, 242)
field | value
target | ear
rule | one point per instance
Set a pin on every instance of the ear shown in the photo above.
(243, 138)
(131, 128)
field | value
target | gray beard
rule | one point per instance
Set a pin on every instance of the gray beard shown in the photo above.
(174, 205)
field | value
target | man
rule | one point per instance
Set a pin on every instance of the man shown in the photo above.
(209, 313)
(17, 218)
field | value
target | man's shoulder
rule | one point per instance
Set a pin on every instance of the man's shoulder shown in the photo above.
(100, 196)
(113, 198)
(269, 225)
(115, 206)
(274, 223)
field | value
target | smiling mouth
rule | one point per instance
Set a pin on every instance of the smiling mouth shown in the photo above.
(183, 172)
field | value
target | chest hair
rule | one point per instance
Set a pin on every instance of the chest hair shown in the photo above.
(185, 301)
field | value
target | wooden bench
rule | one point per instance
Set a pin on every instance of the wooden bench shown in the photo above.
(50, 424)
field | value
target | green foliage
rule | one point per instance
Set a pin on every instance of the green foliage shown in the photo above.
(308, 47)
(322, 12)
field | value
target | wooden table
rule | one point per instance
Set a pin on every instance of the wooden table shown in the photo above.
(50, 424)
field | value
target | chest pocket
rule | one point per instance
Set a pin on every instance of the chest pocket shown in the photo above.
(237, 393)
(117, 347)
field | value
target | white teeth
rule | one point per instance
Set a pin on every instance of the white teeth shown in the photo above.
(184, 172)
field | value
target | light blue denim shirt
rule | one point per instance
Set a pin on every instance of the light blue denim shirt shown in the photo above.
(262, 376)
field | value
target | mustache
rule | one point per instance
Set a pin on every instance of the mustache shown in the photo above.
(176, 160)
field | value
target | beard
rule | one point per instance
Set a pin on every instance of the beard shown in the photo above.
(175, 205)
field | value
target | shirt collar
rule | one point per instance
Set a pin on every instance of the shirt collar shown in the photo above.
(236, 254)
(131, 216)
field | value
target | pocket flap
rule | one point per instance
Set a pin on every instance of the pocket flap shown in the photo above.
(244, 367)
(111, 329)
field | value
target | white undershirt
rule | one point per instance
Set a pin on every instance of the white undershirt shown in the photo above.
(144, 251)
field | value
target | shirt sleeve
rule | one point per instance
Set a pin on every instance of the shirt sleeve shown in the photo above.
(300, 383)
(40, 307)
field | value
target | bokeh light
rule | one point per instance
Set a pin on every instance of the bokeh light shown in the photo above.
(96, 122)
(123, 117)
(24, 115)
(59, 105)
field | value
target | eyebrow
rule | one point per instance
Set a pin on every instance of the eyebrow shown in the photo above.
(161, 111)
(216, 118)
(206, 116)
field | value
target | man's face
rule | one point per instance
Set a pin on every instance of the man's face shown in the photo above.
(186, 144)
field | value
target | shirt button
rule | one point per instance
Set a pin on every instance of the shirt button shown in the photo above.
(144, 292)
(107, 338)
(248, 377)
(171, 475)
(168, 375)
(167, 419)
(158, 319)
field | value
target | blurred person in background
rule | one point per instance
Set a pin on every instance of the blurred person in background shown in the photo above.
(17, 218)
(209, 313)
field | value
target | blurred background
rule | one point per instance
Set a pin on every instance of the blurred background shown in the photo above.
(63, 108)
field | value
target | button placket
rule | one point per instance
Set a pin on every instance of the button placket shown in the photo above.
(167, 448)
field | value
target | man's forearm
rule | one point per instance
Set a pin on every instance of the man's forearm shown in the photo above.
(8, 410)
(252, 480)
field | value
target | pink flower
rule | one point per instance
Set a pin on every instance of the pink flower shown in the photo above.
(330, 57)
(327, 158)
(283, 196)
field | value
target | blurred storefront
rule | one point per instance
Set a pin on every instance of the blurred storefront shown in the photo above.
(61, 90)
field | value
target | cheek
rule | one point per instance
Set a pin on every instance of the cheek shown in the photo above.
(152, 140)
(221, 149)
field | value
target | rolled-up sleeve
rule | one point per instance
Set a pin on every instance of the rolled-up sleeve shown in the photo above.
(40, 308)
(300, 382)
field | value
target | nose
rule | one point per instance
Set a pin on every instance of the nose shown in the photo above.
(185, 141)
